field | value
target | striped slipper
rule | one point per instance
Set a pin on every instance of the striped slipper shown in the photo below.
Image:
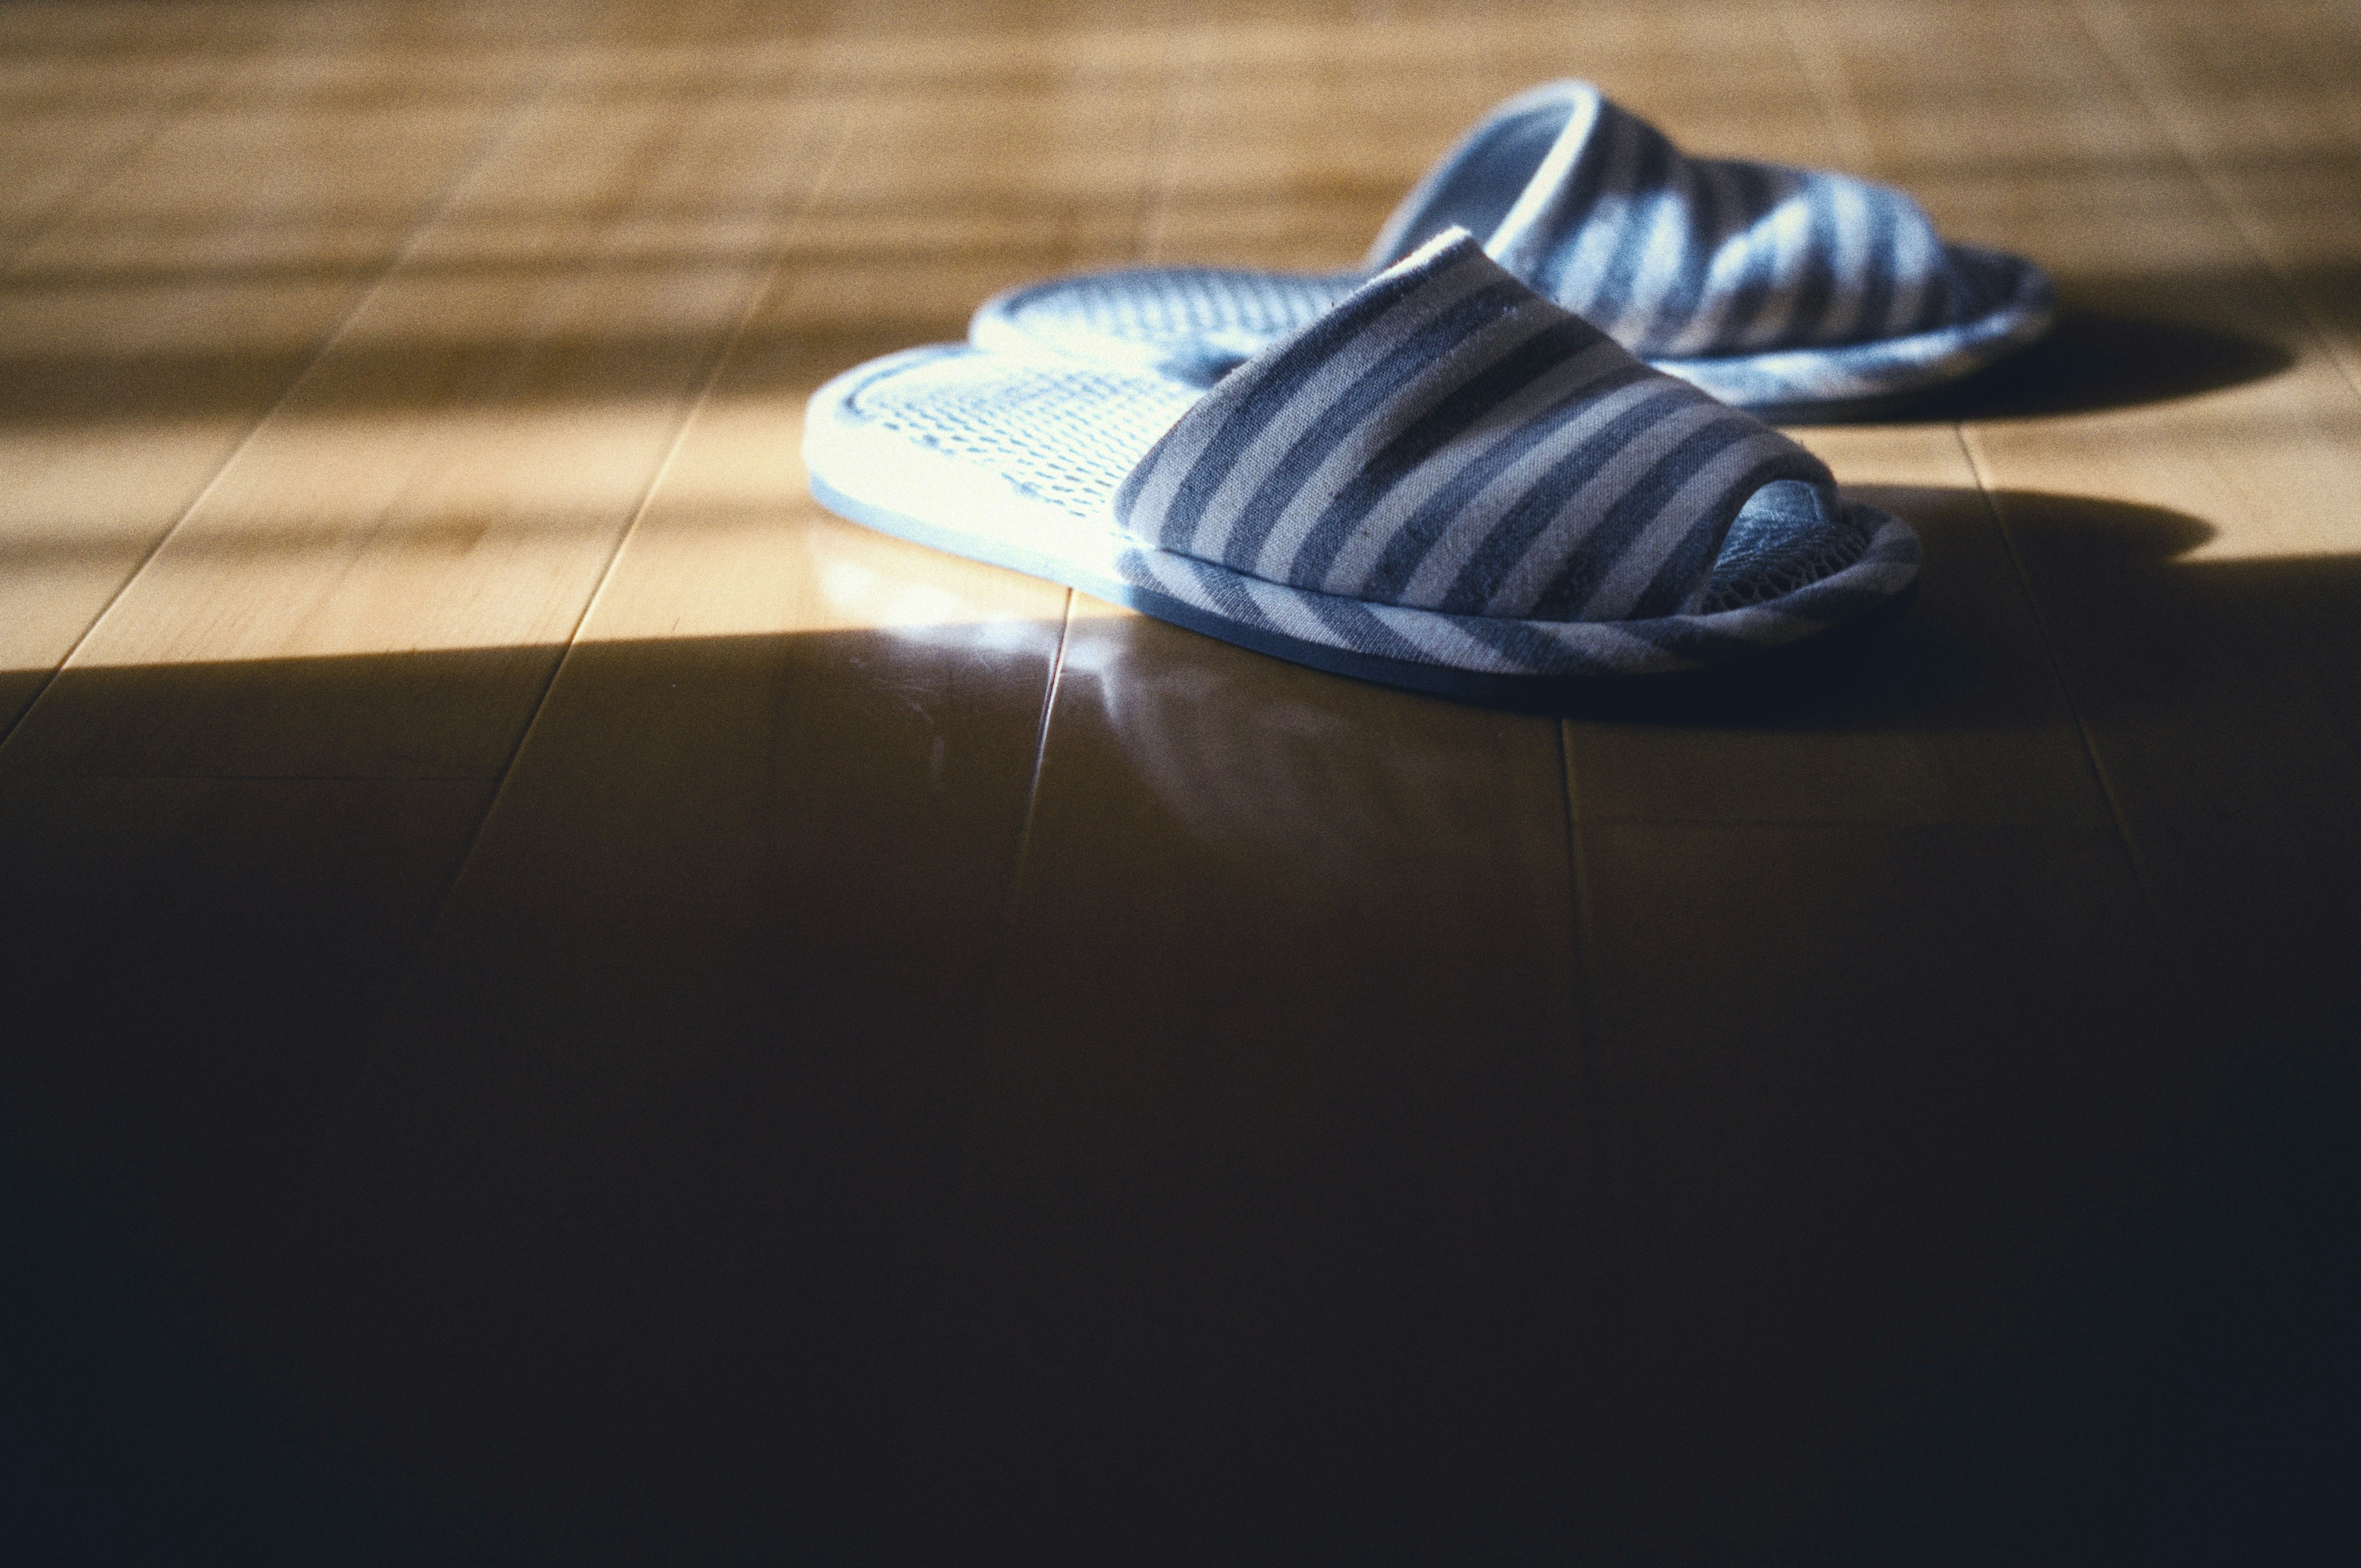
(1443, 482)
(1788, 292)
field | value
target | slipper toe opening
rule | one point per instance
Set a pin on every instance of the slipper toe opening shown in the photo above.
(1788, 535)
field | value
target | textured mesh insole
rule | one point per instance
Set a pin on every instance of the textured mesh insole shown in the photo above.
(1064, 434)
(1067, 435)
(1183, 305)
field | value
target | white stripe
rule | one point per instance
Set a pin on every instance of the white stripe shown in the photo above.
(1608, 644)
(1538, 219)
(1855, 222)
(1451, 550)
(1441, 637)
(1725, 268)
(1662, 258)
(1917, 254)
(1787, 233)
(1568, 531)
(1366, 545)
(1618, 592)
(1470, 357)
(1285, 607)
(1594, 247)
(1338, 374)
(1174, 578)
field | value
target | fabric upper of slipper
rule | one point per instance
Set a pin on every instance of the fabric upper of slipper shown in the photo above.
(1445, 439)
(1773, 289)
(1687, 258)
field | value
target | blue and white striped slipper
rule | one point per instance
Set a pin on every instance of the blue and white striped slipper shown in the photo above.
(1443, 482)
(1788, 292)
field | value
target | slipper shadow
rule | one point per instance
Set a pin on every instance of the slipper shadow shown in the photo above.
(1947, 655)
(1957, 652)
(2093, 360)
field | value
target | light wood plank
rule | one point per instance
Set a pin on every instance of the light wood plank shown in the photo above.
(456, 471)
(2262, 101)
(145, 335)
(79, 103)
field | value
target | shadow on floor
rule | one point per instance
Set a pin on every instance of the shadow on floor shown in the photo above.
(702, 1184)
(1940, 658)
(2093, 360)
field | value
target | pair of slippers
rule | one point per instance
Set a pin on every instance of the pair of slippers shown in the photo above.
(1494, 469)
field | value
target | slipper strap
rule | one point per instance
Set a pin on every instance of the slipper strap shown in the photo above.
(1445, 439)
(1682, 258)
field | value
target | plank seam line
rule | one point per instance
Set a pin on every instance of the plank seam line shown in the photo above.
(962, 1146)
(1593, 1127)
(1033, 782)
(1155, 196)
(1825, 85)
(459, 181)
(1184, 68)
(406, 971)
(1004, 935)
(1184, 53)
(757, 297)
(2149, 895)
(2136, 82)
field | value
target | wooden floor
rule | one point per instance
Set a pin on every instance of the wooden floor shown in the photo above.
(565, 1006)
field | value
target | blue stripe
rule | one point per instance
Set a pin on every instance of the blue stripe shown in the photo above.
(1531, 648)
(1816, 289)
(1363, 631)
(1634, 513)
(1280, 379)
(1440, 424)
(1935, 310)
(1572, 206)
(1226, 592)
(1678, 305)
(1877, 267)
(1613, 289)
(1415, 539)
(1387, 381)
(1683, 636)
(1512, 534)
(1752, 288)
